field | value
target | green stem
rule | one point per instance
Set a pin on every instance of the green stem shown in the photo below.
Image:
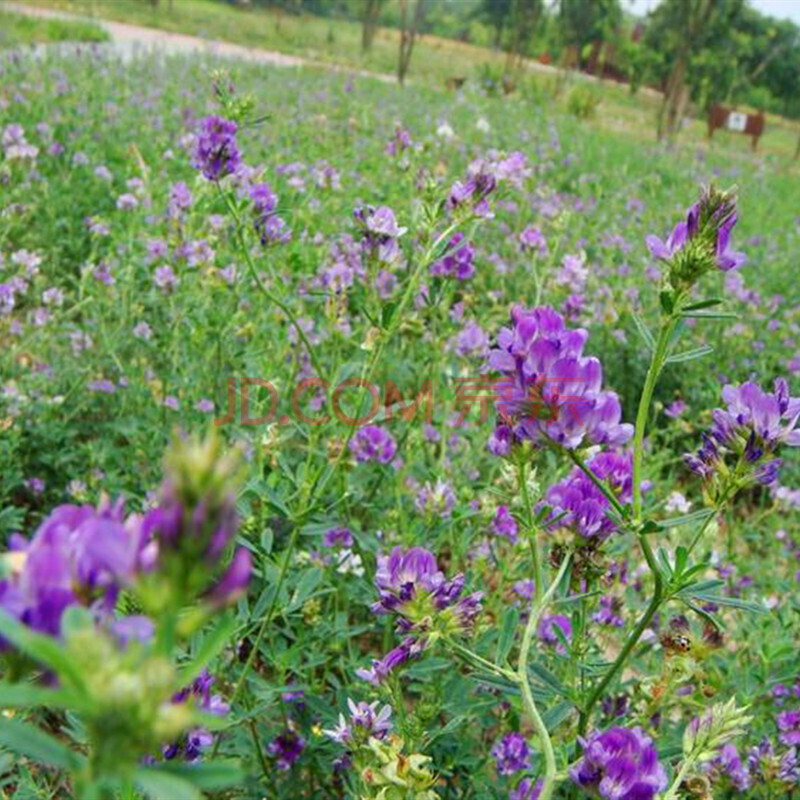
(654, 370)
(531, 526)
(657, 362)
(676, 784)
(271, 296)
(537, 609)
(248, 664)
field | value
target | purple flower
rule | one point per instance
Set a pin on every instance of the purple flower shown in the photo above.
(579, 505)
(270, 227)
(550, 392)
(379, 233)
(215, 150)
(436, 499)
(527, 790)
(180, 199)
(381, 668)
(365, 722)
(373, 443)
(728, 764)
(457, 261)
(620, 764)
(287, 748)
(704, 236)
(504, 524)
(511, 754)
(193, 744)
(531, 240)
(788, 723)
(78, 555)
(752, 427)
(338, 537)
(555, 629)
(411, 585)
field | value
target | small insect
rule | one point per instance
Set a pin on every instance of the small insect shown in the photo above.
(677, 643)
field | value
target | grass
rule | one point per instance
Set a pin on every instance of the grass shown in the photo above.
(434, 61)
(17, 30)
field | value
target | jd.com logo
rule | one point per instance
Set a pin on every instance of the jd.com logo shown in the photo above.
(501, 395)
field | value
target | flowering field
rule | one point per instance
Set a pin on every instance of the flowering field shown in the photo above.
(369, 443)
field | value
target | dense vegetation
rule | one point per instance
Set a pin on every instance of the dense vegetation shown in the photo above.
(470, 594)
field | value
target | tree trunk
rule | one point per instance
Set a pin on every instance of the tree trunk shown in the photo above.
(408, 35)
(370, 22)
(675, 98)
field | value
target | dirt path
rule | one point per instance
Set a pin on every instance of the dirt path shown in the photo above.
(129, 39)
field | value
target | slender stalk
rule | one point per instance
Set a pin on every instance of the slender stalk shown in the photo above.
(672, 793)
(654, 370)
(271, 296)
(657, 361)
(538, 580)
(537, 609)
(630, 643)
(251, 657)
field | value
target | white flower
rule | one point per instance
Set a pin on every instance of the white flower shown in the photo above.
(677, 502)
(483, 125)
(350, 564)
(444, 131)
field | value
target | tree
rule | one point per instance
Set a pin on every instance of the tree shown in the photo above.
(696, 40)
(408, 35)
(372, 9)
(524, 15)
(496, 13)
(586, 25)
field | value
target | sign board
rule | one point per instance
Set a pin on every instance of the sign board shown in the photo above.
(737, 121)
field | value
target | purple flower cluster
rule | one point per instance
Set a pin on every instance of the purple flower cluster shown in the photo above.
(380, 669)
(373, 443)
(504, 524)
(577, 504)
(550, 391)
(215, 151)
(79, 555)
(411, 585)
(196, 741)
(511, 754)
(271, 228)
(286, 748)
(527, 790)
(752, 427)
(365, 722)
(620, 764)
(379, 233)
(709, 223)
(457, 262)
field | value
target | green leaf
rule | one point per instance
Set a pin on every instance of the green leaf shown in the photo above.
(76, 619)
(709, 303)
(709, 315)
(731, 602)
(644, 332)
(159, 784)
(690, 355)
(547, 678)
(308, 582)
(25, 740)
(506, 638)
(44, 649)
(211, 776)
(26, 695)
(554, 716)
(212, 644)
(686, 519)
